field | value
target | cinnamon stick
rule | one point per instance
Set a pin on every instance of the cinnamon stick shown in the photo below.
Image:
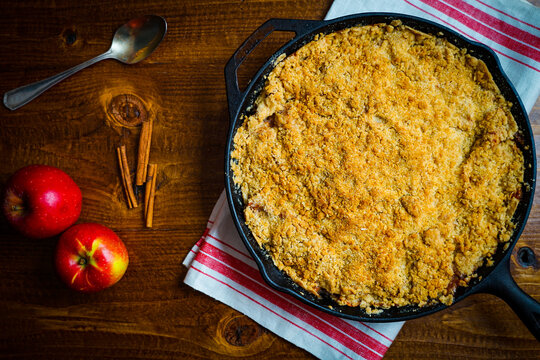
(144, 151)
(149, 141)
(148, 188)
(150, 194)
(124, 185)
(126, 176)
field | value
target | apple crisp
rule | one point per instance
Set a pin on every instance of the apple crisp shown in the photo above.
(379, 166)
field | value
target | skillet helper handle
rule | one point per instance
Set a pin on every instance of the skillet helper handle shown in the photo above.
(501, 284)
(299, 27)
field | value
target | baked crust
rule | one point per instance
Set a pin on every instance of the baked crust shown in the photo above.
(379, 166)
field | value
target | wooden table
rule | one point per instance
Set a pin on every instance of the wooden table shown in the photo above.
(151, 314)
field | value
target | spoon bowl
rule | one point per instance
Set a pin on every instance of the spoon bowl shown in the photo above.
(132, 42)
(137, 39)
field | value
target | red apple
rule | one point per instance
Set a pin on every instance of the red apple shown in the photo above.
(41, 201)
(90, 257)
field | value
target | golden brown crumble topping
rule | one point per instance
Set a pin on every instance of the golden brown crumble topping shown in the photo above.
(379, 166)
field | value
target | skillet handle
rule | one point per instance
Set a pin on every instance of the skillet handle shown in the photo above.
(234, 95)
(501, 284)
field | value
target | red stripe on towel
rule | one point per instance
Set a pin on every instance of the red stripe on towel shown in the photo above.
(231, 247)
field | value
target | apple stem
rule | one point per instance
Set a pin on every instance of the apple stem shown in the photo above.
(82, 261)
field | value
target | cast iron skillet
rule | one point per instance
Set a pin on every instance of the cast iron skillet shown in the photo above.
(495, 280)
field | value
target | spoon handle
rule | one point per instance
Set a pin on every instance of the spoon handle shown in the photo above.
(20, 96)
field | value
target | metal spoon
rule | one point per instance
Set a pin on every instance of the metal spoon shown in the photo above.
(132, 42)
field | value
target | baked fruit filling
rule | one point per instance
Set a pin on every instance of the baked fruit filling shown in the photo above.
(380, 166)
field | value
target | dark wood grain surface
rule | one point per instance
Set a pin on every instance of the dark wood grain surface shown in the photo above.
(151, 314)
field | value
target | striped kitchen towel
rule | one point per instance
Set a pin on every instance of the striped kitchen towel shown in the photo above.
(220, 265)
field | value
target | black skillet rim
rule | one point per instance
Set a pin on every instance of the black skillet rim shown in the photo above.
(279, 280)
